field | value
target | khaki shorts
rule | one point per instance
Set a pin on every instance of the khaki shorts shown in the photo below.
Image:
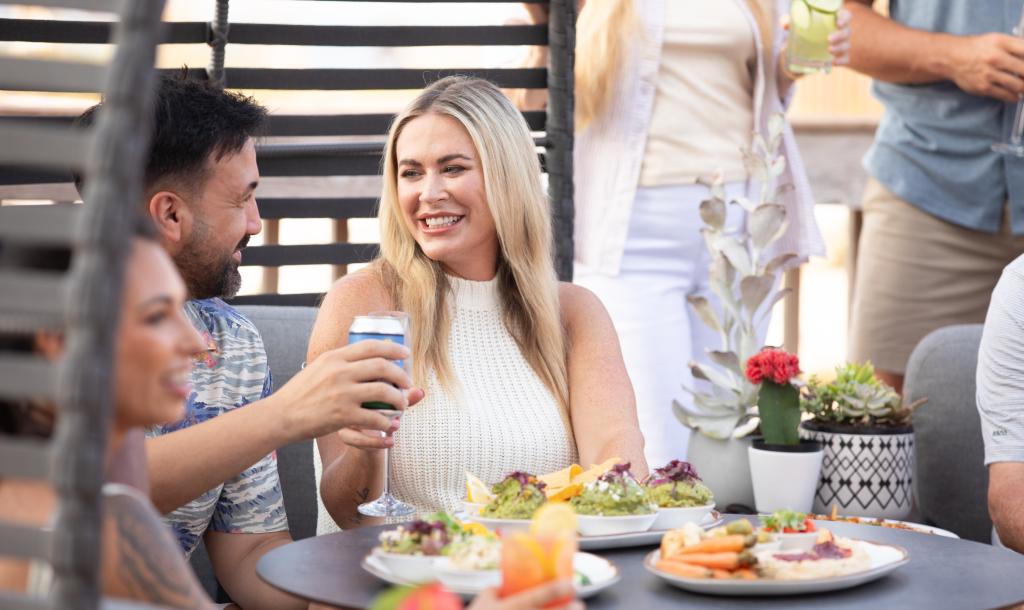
(917, 273)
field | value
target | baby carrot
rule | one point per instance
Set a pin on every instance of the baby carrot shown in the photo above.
(725, 544)
(685, 570)
(721, 561)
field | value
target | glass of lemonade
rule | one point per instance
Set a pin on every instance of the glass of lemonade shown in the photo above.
(810, 23)
(529, 560)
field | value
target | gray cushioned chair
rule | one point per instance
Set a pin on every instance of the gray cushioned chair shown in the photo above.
(950, 478)
(285, 331)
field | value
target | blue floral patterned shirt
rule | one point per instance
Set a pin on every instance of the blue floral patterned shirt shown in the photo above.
(230, 376)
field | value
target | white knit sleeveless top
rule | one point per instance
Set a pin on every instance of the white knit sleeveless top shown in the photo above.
(502, 417)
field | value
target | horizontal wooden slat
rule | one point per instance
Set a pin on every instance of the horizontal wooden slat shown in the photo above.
(311, 254)
(26, 377)
(354, 79)
(93, 32)
(355, 124)
(25, 458)
(41, 145)
(351, 207)
(386, 36)
(307, 124)
(105, 6)
(36, 292)
(20, 541)
(47, 225)
(17, 74)
(309, 299)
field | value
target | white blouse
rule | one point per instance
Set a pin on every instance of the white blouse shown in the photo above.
(502, 418)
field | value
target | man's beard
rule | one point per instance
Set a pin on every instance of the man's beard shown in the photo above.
(207, 272)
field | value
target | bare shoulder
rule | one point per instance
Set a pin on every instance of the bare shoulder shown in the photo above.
(355, 294)
(359, 291)
(578, 304)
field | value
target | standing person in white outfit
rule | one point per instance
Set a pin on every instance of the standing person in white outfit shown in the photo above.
(668, 92)
(521, 372)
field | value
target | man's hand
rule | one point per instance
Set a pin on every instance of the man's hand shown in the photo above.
(990, 65)
(327, 395)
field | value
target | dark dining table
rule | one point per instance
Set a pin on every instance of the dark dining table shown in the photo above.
(943, 573)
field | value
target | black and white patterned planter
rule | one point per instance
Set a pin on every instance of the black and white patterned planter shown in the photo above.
(866, 472)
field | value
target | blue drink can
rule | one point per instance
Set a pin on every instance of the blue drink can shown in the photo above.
(382, 328)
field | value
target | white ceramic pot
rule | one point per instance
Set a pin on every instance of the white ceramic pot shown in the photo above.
(784, 478)
(865, 472)
(724, 467)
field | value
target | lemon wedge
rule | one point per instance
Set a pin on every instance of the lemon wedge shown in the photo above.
(477, 491)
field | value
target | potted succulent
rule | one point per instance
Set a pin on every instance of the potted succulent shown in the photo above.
(784, 468)
(866, 430)
(743, 279)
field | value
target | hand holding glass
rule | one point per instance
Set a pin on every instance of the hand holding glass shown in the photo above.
(385, 326)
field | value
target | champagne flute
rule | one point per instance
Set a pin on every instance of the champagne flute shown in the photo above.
(1015, 147)
(386, 326)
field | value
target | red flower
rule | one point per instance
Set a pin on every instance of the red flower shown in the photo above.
(774, 365)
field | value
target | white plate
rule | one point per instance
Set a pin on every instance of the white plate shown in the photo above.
(601, 572)
(599, 525)
(674, 518)
(650, 537)
(884, 559)
(415, 568)
(919, 527)
(459, 578)
(596, 543)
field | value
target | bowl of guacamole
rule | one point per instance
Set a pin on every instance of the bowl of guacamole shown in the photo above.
(679, 494)
(516, 498)
(613, 504)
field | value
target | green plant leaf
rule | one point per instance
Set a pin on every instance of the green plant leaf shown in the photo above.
(779, 409)
(713, 426)
(727, 360)
(712, 212)
(720, 379)
(754, 289)
(765, 224)
(779, 262)
(735, 252)
(778, 296)
(705, 312)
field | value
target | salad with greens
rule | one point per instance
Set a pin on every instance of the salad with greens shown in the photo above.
(430, 536)
(677, 485)
(517, 496)
(615, 493)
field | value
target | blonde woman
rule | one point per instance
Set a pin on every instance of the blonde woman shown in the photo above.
(521, 372)
(667, 92)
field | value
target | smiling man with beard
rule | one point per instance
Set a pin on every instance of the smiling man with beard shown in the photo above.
(215, 472)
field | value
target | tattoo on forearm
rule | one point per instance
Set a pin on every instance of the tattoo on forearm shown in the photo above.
(362, 497)
(150, 563)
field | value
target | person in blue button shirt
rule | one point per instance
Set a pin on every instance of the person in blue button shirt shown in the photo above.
(943, 213)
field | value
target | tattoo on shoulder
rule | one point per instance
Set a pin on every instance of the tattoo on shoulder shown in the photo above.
(149, 563)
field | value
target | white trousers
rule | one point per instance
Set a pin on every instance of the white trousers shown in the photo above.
(664, 261)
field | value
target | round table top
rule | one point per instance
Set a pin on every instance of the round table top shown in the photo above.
(942, 573)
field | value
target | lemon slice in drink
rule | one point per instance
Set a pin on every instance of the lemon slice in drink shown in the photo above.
(825, 6)
(553, 519)
(800, 16)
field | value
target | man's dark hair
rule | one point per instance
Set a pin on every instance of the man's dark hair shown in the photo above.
(194, 120)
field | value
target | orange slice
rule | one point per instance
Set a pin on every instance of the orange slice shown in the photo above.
(553, 519)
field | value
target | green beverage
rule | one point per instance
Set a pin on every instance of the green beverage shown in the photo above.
(810, 23)
(382, 328)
